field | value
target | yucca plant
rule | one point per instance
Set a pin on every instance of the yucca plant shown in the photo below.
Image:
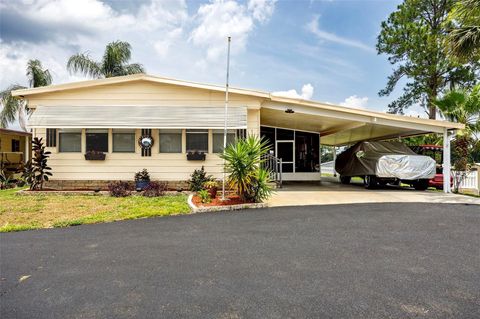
(243, 160)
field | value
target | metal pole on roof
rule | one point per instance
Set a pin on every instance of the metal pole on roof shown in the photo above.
(225, 116)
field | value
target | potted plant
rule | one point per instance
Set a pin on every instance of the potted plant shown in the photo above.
(211, 187)
(94, 156)
(142, 179)
(196, 156)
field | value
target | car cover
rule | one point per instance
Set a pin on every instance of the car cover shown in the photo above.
(389, 159)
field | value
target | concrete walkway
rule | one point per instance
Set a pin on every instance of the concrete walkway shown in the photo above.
(330, 191)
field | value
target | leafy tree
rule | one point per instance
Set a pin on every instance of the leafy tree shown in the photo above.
(413, 37)
(427, 139)
(464, 39)
(114, 62)
(13, 106)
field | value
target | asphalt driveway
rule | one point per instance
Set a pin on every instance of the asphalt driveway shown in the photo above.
(343, 261)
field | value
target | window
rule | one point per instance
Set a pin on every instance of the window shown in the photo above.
(15, 145)
(70, 140)
(123, 141)
(197, 140)
(218, 140)
(283, 134)
(97, 140)
(170, 141)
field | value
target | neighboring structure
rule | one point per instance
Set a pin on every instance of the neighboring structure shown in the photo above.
(112, 115)
(15, 147)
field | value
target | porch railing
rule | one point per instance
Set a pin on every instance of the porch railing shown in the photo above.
(274, 166)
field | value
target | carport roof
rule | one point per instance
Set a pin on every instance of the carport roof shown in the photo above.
(337, 124)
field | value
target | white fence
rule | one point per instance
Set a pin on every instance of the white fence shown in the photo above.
(469, 182)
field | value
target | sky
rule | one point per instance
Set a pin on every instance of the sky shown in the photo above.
(319, 49)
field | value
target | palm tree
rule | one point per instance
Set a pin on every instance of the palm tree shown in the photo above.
(464, 40)
(12, 106)
(114, 62)
(463, 107)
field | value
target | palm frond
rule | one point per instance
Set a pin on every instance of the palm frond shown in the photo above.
(10, 105)
(116, 54)
(464, 42)
(81, 63)
(36, 75)
(133, 68)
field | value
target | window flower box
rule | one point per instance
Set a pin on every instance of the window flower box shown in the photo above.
(196, 156)
(95, 156)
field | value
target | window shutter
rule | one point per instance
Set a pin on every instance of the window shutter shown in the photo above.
(51, 137)
(146, 151)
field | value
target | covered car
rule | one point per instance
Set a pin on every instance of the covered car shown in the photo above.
(382, 162)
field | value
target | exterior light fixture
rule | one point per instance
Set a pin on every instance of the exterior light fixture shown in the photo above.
(289, 111)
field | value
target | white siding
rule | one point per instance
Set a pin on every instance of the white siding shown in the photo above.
(122, 166)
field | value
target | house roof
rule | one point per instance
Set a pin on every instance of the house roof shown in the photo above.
(14, 132)
(255, 93)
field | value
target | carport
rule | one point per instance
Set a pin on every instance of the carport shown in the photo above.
(340, 126)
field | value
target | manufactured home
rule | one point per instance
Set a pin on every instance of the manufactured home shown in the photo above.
(107, 129)
(15, 149)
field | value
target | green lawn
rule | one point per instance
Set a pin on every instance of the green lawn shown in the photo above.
(43, 211)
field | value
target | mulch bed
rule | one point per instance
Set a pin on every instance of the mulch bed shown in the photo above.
(231, 200)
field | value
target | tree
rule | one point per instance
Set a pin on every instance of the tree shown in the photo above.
(414, 37)
(14, 107)
(464, 107)
(114, 62)
(464, 39)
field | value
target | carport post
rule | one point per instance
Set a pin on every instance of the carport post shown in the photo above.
(334, 159)
(446, 162)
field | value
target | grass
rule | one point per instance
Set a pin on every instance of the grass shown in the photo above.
(19, 213)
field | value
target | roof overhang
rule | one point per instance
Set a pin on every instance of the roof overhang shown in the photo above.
(340, 125)
(14, 132)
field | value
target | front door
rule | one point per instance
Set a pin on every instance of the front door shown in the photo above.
(286, 151)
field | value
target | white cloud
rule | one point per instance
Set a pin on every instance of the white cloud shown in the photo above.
(331, 37)
(219, 19)
(261, 10)
(165, 37)
(306, 94)
(84, 16)
(355, 102)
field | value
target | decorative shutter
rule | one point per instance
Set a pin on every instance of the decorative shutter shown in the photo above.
(146, 151)
(51, 137)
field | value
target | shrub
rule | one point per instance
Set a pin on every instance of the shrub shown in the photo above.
(155, 189)
(5, 181)
(243, 161)
(198, 178)
(204, 196)
(142, 175)
(211, 187)
(36, 171)
(261, 190)
(210, 184)
(120, 189)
